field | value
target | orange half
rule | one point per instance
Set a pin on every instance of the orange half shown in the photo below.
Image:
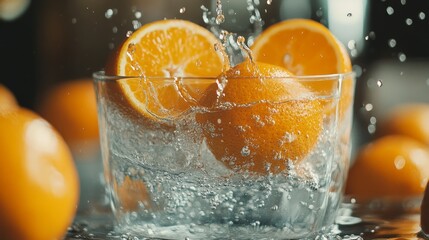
(160, 55)
(306, 47)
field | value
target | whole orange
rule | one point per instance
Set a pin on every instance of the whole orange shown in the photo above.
(411, 119)
(38, 181)
(393, 166)
(7, 99)
(71, 108)
(260, 119)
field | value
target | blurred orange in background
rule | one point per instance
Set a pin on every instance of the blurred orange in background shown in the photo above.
(38, 180)
(71, 108)
(393, 166)
(7, 99)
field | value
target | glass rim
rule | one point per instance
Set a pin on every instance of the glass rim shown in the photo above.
(101, 75)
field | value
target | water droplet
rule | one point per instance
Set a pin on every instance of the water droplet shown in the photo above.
(182, 10)
(109, 13)
(129, 33)
(390, 10)
(402, 57)
(379, 83)
(422, 15)
(138, 14)
(115, 29)
(219, 121)
(73, 20)
(403, 2)
(220, 19)
(373, 120)
(349, 14)
(371, 35)
(136, 24)
(351, 44)
(269, 2)
(371, 129)
(319, 12)
(409, 21)
(392, 43)
(399, 162)
(368, 107)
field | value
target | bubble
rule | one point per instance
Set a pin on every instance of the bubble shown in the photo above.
(403, 2)
(358, 70)
(269, 2)
(136, 24)
(245, 151)
(392, 43)
(128, 34)
(220, 19)
(349, 14)
(109, 13)
(371, 35)
(402, 57)
(182, 10)
(115, 29)
(379, 83)
(373, 120)
(390, 10)
(422, 15)
(409, 21)
(319, 12)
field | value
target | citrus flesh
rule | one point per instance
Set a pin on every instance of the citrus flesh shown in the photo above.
(260, 122)
(306, 47)
(39, 182)
(159, 55)
(392, 166)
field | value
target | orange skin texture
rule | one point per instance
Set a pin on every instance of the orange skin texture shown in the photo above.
(71, 108)
(38, 179)
(393, 166)
(7, 99)
(263, 128)
(410, 119)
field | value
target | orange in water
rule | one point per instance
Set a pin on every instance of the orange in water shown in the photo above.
(131, 193)
(259, 124)
(410, 119)
(306, 47)
(393, 166)
(157, 53)
(38, 181)
(7, 99)
(71, 108)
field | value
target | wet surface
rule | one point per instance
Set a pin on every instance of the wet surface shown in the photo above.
(398, 219)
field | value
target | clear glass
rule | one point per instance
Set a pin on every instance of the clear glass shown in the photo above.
(165, 182)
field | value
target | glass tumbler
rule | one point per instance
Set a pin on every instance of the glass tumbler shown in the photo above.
(178, 176)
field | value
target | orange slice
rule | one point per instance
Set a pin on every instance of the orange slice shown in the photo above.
(305, 47)
(159, 54)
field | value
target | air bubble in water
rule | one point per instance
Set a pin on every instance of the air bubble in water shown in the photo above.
(392, 43)
(409, 21)
(269, 2)
(371, 129)
(390, 10)
(379, 83)
(115, 29)
(245, 151)
(373, 120)
(403, 2)
(138, 14)
(402, 57)
(422, 15)
(351, 44)
(182, 10)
